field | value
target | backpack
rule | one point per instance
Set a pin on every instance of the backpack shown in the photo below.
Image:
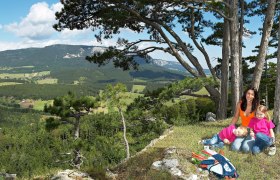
(215, 163)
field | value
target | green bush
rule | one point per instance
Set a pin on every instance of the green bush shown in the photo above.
(204, 105)
(186, 112)
(182, 113)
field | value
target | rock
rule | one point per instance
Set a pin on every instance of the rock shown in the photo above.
(71, 175)
(210, 116)
(111, 175)
(178, 166)
(170, 163)
(10, 176)
(157, 165)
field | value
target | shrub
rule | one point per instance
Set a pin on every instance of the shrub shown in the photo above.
(182, 113)
(204, 105)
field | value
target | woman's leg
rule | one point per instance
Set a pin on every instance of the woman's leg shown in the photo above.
(236, 145)
(248, 144)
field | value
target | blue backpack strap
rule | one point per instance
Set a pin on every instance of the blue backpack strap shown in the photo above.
(208, 162)
(228, 168)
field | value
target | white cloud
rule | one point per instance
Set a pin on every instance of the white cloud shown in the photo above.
(67, 33)
(37, 24)
(4, 45)
(35, 30)
(56, 7)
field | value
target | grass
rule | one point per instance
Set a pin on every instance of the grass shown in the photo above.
(39, 104)
(138, 80)
(138, 88)
(47, 81)
(8, 83)
(24, 75)
(11, 68)
(185, 139)
(130, 96)
(127, 99)
(202, 91)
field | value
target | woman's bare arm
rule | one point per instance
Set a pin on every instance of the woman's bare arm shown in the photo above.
(236, 114)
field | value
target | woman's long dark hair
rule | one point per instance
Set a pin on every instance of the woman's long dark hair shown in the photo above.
(255, 102)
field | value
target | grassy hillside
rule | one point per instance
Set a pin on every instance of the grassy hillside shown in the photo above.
(185, 139)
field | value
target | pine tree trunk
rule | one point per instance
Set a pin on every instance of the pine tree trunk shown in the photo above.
(240, 46)
(276, 112)
(222, 110)
(235, 78)
(267, 26)
(124, 134)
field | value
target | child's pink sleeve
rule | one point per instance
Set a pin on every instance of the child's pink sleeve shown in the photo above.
(271, 125)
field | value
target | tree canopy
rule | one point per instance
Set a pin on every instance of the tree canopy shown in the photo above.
(177, 28)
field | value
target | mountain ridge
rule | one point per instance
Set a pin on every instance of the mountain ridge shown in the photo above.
(79, 52)
(58, 65)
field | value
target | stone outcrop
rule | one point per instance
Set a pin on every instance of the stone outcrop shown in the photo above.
(71, 175)
(176, 163)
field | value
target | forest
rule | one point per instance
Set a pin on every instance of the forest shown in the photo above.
(71, 133)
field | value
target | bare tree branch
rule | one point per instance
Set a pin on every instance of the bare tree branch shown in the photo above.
(202, 50)
(194, 95)
(170, 44)
(211, 9)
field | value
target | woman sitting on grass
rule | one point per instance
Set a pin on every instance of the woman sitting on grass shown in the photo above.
(225, 136)
(262, 130)
(245, 109)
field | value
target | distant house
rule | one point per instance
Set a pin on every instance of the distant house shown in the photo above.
(26, 104)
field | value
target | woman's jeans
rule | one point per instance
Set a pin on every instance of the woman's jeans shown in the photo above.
(262, 141)
(243, 144)
(215, 141)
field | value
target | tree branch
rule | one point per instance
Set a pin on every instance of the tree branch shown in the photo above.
(164, 36)
(189, 93)
(211, 9)
(202, 50)
(192, 58)
(207, 1)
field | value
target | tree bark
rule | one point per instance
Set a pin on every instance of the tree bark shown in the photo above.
(77, 161)
(222, 110)
(124, 134)
(276, 112)
(267, 26)
(234, 44)
(77, 129)
(240, 45)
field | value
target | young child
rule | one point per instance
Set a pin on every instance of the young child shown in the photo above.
(225, 136)
(262, 129)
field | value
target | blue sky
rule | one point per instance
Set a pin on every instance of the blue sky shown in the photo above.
(28, 23)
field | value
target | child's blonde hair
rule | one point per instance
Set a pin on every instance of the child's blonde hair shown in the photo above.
(263, 109)
(244, 129)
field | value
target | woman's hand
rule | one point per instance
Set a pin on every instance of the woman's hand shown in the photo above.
(252, 134)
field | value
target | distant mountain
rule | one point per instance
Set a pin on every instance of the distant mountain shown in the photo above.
(66, 64)
(68, 55)
(173, 65)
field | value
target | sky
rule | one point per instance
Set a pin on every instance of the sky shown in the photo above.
(28, 23)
